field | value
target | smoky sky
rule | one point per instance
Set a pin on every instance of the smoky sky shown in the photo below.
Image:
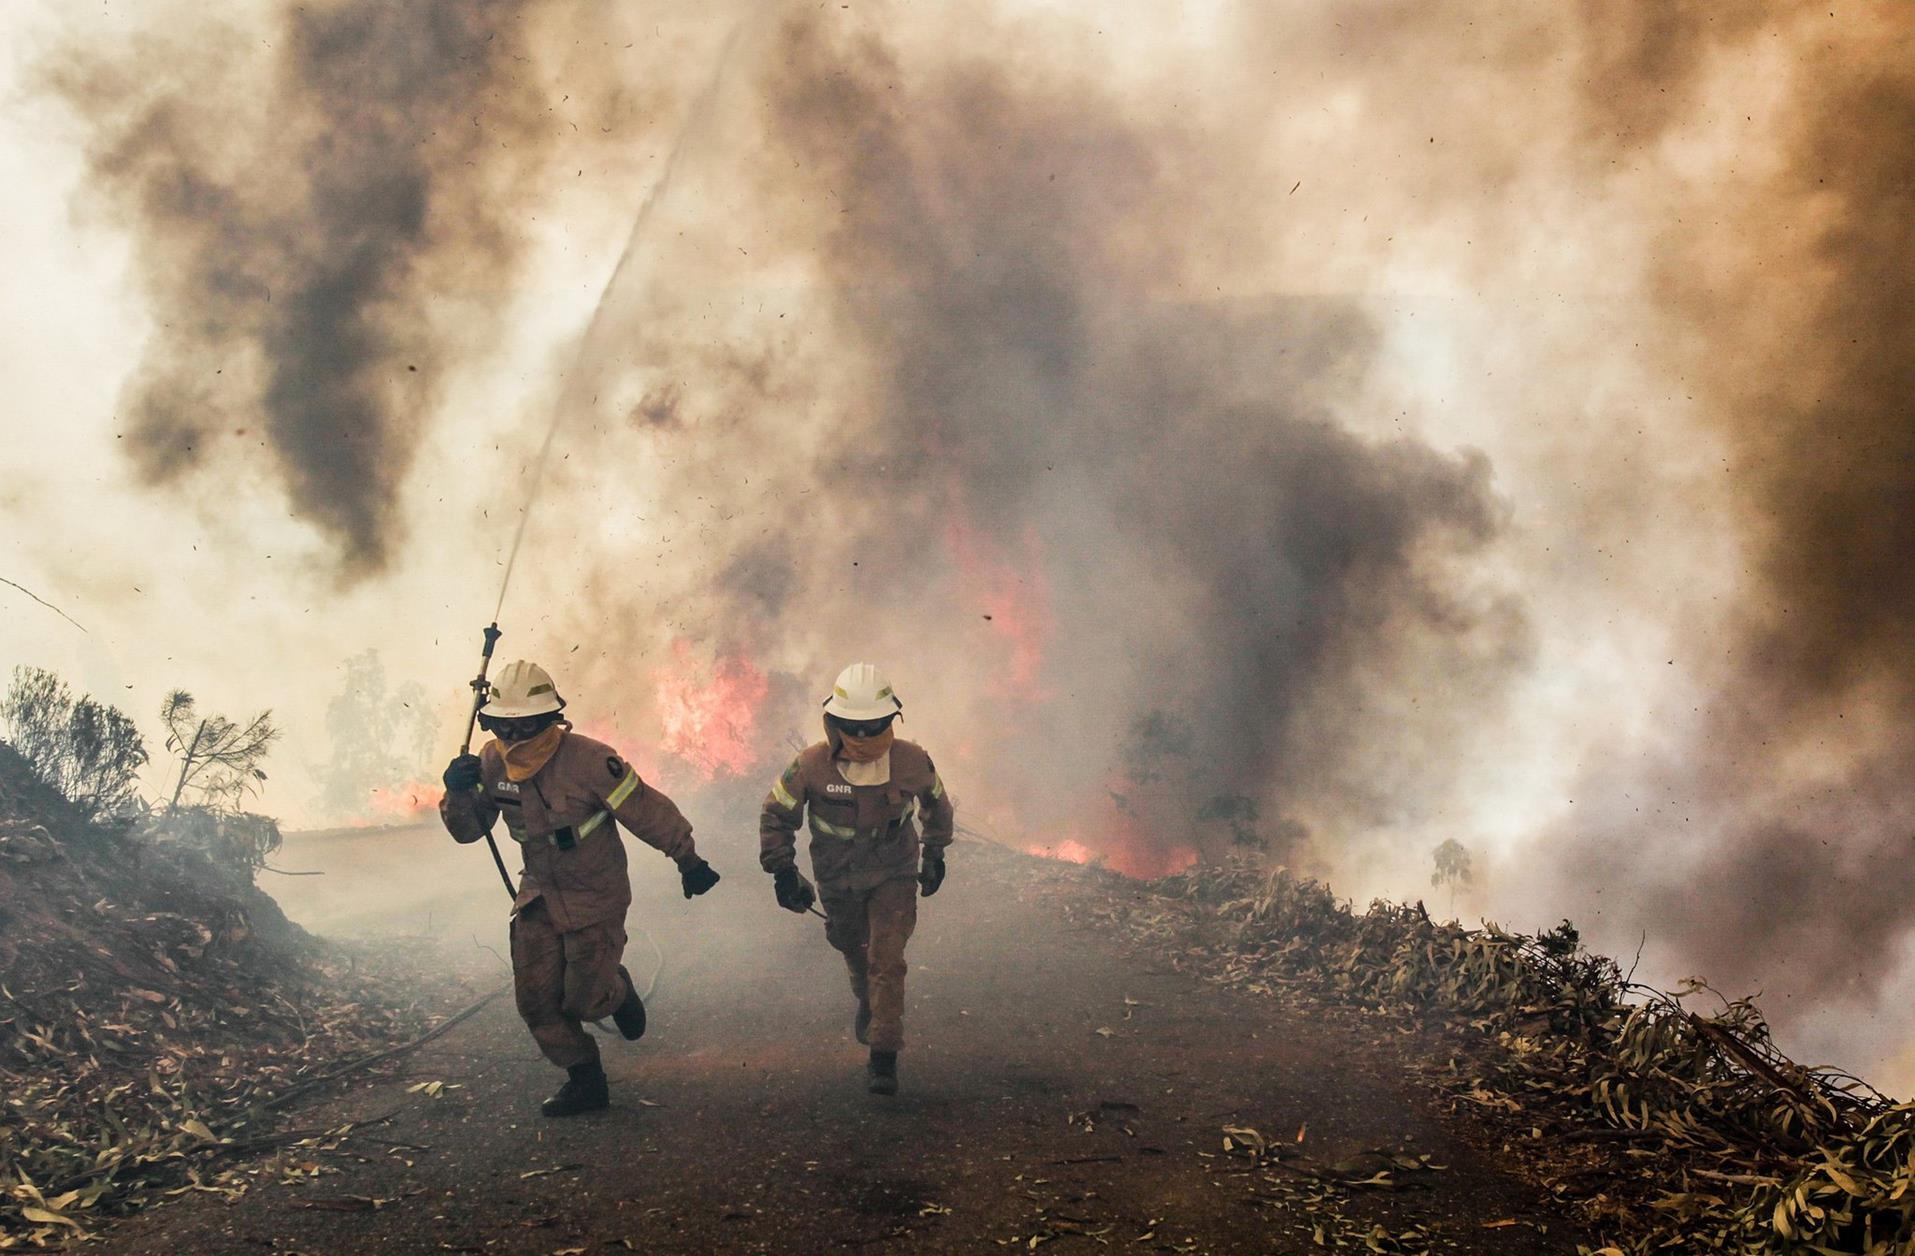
(1159, 484)
(1145, 536)
(1786, 836)
(1238, 584)
(1832, 464)
(293, 228)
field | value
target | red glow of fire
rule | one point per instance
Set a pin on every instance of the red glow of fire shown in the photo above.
(1016, 603)
(1072, 851)
(399, 803)
(709, 714)
(1127, 830)
(1121, 847)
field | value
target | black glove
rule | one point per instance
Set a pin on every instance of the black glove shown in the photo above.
(931, 874)
(462, 773)
(698, 876)
(793, 891)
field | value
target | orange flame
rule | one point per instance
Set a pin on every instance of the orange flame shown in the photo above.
(1114, 833)
(398, 804)
(1139, 863)
(709, 717)
(1070, 850)
(1016, 601)
(1118, 843)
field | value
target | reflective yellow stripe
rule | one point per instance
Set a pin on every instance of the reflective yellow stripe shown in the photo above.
(937, 787)
(617, 797)
(620, 792)
(783, 795)
(832, 830)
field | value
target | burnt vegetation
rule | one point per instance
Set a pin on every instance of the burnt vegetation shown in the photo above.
(160, 1010)
(219, 759)
(155, 1003)
(89, 753)
(1002, 245)
(1671, 1120)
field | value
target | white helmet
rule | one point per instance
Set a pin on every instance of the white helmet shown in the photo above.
(862, 693)
(519, 690)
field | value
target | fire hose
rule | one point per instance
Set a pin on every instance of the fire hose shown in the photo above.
(590, 342)
(492, 635)
(479, 688)
(479, 684)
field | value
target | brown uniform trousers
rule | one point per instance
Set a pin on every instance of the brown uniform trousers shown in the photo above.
(568, 926)
(562, 979)
(864, 855)
(870, 929)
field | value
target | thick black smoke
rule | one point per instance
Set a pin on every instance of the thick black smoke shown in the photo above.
(1822, 420)
(300, 233)
(1125, 528)
(1752, 173)
(928, 380)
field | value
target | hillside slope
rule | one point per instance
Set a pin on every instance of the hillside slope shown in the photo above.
(152, 1000)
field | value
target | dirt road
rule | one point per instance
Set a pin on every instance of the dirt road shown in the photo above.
(1059, 1091)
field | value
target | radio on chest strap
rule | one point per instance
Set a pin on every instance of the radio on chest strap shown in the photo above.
(849, 832)
(568, 836)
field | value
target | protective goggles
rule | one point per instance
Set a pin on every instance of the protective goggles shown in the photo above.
(520, 728)
(862, 728)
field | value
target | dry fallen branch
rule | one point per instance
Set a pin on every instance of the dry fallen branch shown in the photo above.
(359, 1065)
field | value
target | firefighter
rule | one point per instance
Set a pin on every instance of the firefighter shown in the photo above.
(560, 793)
(862, 788)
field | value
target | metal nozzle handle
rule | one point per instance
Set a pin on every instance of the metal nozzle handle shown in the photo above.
(492, 635)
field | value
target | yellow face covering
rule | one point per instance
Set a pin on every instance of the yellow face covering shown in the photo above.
(523, 759)
(865, 749)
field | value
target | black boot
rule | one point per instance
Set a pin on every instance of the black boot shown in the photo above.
(884, 1072)
(630, 1016)
(584, 1091)
(861, 1026)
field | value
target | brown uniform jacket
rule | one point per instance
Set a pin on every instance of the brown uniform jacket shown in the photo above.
(861, 835)
(581, 787)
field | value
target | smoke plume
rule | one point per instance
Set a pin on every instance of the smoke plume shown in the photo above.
(304, 227)
(1783, 849)
(1124, 521)
(1331, 428)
